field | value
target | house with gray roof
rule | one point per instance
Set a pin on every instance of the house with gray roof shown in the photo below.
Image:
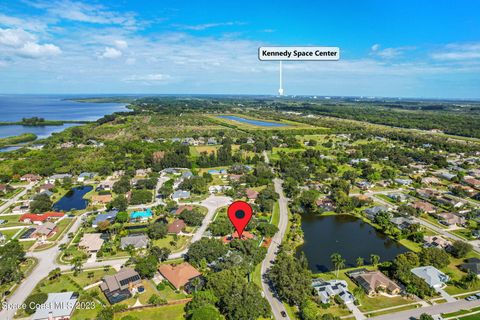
(108, 216)
(138, 241)
(328, 289)
(180, 194)
(373, 211)
(59, 305)
(432, 276)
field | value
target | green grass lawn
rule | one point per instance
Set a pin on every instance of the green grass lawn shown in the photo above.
(173, 312)
(90, 276)
(276, 214)
(27, 244)
(62, 225)
(9, 233)
(179, 245)
(12, 221)
(465, 234)
(455, 273)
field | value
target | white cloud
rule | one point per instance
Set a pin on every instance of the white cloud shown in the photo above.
(457, 52)
(24, 44)
(389, 53)
(148, 77)
(111, 53)
(130, 61)
(204, 26)
(83, 12)
(27, 24)
(121, 44)
(35, 50)
(15, 37)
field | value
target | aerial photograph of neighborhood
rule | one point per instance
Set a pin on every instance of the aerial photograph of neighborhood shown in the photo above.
(206, 160)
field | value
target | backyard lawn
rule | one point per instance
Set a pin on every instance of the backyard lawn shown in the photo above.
(179, 244)
(173, 312)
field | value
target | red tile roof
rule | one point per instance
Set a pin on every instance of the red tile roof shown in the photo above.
(178, 275)
(245, 236)
(40, 217)
(176, 226)
(182, 208)
(252, 194)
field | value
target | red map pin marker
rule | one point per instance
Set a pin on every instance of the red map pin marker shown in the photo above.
(239, 214)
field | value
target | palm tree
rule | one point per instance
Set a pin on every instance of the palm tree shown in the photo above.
(374, 259)
(360, 261)
(337, 261)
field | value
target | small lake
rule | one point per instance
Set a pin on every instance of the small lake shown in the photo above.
(254, 122)
(11, 148)
(73, 200)
(347, 235)
(41, 132)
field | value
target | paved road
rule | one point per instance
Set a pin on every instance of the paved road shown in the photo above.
(46, 262)
(11, 201)
(432, 310)
(275, 303)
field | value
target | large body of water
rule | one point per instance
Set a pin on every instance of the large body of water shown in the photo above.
(51, 107)
(347, 235)
(73, 200)
(254, 122)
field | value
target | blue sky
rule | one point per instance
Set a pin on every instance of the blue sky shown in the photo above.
(388, 48)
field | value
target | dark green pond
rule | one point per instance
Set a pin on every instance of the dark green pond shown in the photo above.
(347, 235)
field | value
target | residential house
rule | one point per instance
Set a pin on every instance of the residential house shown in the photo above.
(399, 197)
(402, 223)
(428, 193)
(328, 289)
(108, 216)
(437, 242)
(451, 219)
(142, 172)
(403, 182)
(3, 188)
(2, 238)
(432, 276)
(45, 230)
(58, 306)
(179, 275)
(46, 187)
(325, 204)
(373, 211)
(187, 175)
(251, 194)
(30, 177)
(180, 194)
(451, 201)
(365, 185)
(138, 241)
(91, 242)
(85, 176)
(245, 236)
(358, 160)
(176, 226)
(40, 218)
(447, 176)
(424, 206)
(59, 176)
(430, 180)
(374, 281)
(472, 182)
(121, 285)
(471, 265)
(212, 141)
(101, 199)
(180, 209)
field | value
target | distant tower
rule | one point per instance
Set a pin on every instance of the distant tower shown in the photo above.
(280, 89)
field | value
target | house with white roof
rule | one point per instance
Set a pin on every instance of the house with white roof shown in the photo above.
(328, 289)
(59, 306)
(432, 276)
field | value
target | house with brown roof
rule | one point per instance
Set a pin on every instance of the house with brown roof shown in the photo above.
(180, 209)
(424, 206)
(176, 226)
(472, 182)
(451, 219)
(101, 199)
(30, 177)
(374, 282)
(3, 188)
(46, 187)
(245, 236)
(251, 194)
(45, 230)
(179, 275)
(436, 242)
(91, 242)
(121, 285)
